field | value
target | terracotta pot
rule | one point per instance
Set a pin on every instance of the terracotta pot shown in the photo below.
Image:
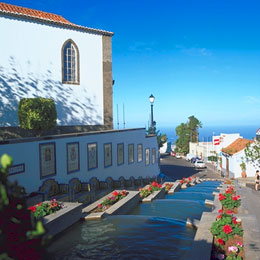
(243, 174)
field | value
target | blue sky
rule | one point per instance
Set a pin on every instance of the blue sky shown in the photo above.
(198, 58)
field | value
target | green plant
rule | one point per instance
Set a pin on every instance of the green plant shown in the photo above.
(21, 237)
(229, 200)
(168, 186)
(225, 227)
(213, 158)
(252, 153)
(145, 192)
(187, 132)
(243, 166)
(37, 114)
(116, 196)
(43, 209)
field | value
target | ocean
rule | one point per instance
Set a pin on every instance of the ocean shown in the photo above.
(206, 132)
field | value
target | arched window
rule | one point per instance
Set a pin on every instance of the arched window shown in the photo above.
(70, 63)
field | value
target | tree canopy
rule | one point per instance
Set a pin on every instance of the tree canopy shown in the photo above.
(252, 153)
(187, 132)
(161, 138)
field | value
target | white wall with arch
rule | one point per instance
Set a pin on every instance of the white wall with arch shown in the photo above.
(31, 66)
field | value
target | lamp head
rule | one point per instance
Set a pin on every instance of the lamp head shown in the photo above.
(151, 98)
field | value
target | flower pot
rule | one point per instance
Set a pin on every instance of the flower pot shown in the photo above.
(243, 174)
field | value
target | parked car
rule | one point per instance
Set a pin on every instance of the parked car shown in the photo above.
(194, 159)
(189, 157)
(199, 164)
(178, 156)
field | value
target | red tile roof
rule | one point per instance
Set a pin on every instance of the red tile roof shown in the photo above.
(237, 146)
(44, 17)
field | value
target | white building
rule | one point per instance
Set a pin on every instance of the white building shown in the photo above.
(45, 55)
(201, 149)
(233, 155)
(206, 149)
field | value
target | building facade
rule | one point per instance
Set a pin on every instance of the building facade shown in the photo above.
(45, 55)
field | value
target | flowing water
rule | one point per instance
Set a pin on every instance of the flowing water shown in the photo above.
(155, 230)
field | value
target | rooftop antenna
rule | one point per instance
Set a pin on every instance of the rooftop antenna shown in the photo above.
(117, 116)
(124, 115)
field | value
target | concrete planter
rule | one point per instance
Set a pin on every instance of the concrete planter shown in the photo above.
(155, 195)
(174, 188)
(62, 219)
(120, 207)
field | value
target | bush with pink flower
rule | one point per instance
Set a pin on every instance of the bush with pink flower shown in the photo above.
(229, 200)
(43, 209)
(168, 186)
(227, 229)
(146, 191)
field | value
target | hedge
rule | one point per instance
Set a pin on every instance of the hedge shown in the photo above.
(37, 114)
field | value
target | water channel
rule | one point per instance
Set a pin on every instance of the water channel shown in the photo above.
(155, 230)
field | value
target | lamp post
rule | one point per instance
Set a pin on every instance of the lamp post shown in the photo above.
(151, 98)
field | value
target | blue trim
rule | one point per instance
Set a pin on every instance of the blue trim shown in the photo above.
(93, 168)
(154, 150)
(118, 164)
(107, 166)
(55, 170)
(141, 153)
(146, 164)
(67, 150)
(133, 154)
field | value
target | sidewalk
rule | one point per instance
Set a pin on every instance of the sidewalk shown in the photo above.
(250, 214)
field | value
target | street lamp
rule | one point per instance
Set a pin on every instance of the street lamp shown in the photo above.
(151, 98)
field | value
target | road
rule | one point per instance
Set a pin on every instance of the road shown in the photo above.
(176, 169)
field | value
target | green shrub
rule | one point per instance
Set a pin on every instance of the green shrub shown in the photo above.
(213, 158)
(37, 114)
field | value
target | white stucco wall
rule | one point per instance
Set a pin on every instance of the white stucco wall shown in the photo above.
(28, 153)
(30, 66)
(234, 165)
(226, 139)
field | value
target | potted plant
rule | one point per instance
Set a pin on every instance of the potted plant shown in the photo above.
(220, 162)
(243, 169)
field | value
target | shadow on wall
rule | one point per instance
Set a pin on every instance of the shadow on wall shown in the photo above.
(71, 110)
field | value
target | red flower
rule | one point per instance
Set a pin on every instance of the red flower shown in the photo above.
(229, 212)
(99, 205)
(150, 188)
(234, 221)
(221, 197)
(234, 198)
(228, 191)
(189, 178)
(115, 193)
(39, 204)
(220, 241)
(219, 217)
(154, 184)
(181, 182)
(220, 211)
(160, 185)
(227, 229)
(32, 208)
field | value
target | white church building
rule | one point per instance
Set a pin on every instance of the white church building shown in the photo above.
(43, 54)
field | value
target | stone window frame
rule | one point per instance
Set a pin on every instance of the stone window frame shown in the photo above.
(77, 67)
